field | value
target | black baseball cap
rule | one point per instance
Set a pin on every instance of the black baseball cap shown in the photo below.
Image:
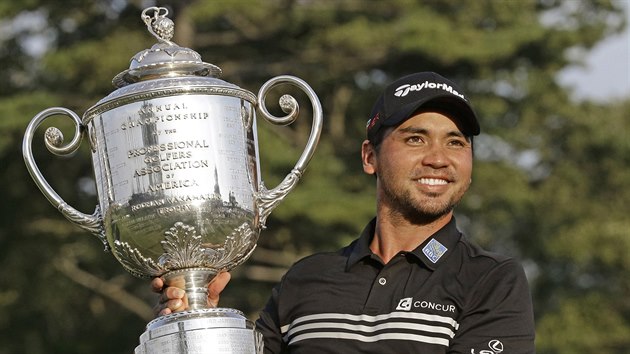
(406, 95)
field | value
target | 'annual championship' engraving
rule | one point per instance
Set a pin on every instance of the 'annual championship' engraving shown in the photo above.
(152, 114)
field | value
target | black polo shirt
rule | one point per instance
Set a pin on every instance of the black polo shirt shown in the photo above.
(446, 296)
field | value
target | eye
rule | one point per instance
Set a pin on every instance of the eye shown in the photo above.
(459, 142)
(414, 140)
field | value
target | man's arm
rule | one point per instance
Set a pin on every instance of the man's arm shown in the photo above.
(269, 325)
(498, 316)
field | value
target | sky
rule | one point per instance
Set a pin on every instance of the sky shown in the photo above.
(606, 75)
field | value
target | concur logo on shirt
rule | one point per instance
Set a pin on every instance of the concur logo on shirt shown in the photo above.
(407, 303)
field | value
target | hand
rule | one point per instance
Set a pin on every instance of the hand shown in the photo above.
(173, 299)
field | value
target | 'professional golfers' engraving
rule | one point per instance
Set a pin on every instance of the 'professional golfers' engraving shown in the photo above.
(175, 156)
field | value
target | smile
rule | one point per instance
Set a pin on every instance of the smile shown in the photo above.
(433, 181)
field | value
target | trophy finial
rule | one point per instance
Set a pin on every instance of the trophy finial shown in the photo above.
(165, 58)
(159, 25)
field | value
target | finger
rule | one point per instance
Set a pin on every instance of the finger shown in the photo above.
(172, 293)
(164, 312)
(175, 305)
(157, 284)
(171, 306)
(219, 282)
(216, 286)
(160, 310)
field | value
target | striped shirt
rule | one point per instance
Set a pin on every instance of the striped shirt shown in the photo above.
(446, 296)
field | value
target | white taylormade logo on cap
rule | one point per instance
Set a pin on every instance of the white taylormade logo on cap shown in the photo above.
(403, 90)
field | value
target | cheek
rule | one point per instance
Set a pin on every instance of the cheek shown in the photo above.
(465, 167)
(397, 163)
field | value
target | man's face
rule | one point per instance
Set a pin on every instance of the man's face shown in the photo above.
(423, 167)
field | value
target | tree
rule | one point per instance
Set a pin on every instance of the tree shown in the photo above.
(550, 180)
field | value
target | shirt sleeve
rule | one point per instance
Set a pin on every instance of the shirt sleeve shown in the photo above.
(269, 325)
(498, 317)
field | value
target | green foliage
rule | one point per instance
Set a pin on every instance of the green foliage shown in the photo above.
(551, 182)
(587, 327)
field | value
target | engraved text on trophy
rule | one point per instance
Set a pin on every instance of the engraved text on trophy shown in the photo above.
(188, 161)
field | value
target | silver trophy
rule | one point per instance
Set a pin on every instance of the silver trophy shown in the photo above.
(175, 157)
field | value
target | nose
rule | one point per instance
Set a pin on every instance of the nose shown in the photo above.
(435, 157)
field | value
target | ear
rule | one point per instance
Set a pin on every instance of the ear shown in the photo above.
(368, 157)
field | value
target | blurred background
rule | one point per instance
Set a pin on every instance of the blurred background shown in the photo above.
(551, 181)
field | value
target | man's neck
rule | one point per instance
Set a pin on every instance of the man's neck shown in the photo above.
(393, 235)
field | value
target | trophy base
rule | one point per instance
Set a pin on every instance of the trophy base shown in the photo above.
(216, 330)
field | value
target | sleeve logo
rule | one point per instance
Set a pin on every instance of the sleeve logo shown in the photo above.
(495, 345)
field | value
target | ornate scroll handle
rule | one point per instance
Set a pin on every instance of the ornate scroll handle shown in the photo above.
(54, 142)
(267, 200)
(160, 26)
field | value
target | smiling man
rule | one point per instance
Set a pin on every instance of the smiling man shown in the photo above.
(411, 282)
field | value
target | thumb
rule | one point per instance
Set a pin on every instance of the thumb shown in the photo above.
(216, 286)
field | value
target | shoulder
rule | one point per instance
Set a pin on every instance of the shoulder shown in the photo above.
(319, 262)
(481, 260)
(308, 281)
(489, 274)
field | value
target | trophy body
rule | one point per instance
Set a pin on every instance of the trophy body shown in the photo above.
(176, 165)
(181, 162)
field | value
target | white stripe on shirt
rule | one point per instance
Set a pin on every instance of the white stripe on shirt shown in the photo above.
(362, 327)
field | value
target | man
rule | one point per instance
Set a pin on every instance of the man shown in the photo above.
(411, 283)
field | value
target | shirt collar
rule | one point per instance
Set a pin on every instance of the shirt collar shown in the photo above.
(432, 252)
(436, 249)
(361, 247)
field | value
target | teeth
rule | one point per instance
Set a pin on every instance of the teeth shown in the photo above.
(432, 181)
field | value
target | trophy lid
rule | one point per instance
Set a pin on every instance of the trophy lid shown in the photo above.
(165, 58)
(164, 70)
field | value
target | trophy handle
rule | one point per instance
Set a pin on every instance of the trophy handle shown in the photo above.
(54, 142)
(269, 199)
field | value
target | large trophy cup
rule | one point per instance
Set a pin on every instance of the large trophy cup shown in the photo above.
(175, 156)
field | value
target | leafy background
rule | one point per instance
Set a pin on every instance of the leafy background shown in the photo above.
(551, 182)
